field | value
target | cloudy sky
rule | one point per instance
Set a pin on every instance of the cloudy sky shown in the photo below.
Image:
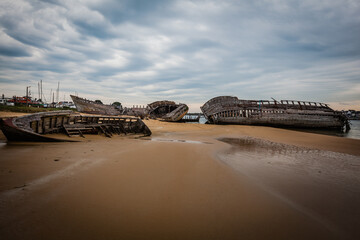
(139, 51)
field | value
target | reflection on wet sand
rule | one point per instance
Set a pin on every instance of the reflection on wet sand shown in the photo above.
(321, 184)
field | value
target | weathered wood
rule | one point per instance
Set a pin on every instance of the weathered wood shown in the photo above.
(88, 106)
(80, 133)
(231, 110)
(66, 131)
(27, 128)
(167, 110)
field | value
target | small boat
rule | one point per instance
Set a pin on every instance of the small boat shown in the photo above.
(192, 117)
(167, 110)
(288, 113)
(87, 106)
(38, 127)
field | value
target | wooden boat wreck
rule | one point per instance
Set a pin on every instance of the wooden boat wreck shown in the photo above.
(286, 113)
(137, 111)
(87, 106)
(38, 127)
(167, 110)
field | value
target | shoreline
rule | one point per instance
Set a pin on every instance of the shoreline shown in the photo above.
(280, 135)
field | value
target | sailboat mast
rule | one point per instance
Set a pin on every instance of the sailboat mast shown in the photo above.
(57, 92)
(41, 90)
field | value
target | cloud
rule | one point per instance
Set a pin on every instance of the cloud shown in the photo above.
(139, 51)
(12, 48)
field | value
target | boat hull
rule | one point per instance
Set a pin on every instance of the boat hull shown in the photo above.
(177, 114)
(296, 121)
(37, 127)
(15, 134)
(87, 106)
(167, 110)
(285, 113)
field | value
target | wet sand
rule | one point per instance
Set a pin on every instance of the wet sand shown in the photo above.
(323, 185)
(182, 183)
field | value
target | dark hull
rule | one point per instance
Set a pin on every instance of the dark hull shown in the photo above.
(294, 114)
(15, 134)
(294, 121)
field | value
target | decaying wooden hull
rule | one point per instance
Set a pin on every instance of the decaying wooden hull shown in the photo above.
(289, 113)
(167, 110)
(33, 127)
(88, 106)
(140, 112)
(15, 134)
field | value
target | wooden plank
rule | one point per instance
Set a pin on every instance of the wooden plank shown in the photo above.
(81, 134)
(66, 131)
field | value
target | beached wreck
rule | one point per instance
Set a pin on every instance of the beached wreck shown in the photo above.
(288, 113)
(38, 127)
(137, 111)
(87, 106)
(167, 110)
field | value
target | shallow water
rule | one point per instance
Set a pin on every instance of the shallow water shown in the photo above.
(353, 133)
(176, 140)
(355, 129)
(323, 185)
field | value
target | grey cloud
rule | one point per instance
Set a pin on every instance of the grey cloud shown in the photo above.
(13, 51)
(138, 11)
(99, 30)
(193, 45)
(24, 36)
(197, 49)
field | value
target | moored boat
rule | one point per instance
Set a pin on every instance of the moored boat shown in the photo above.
(288, 113)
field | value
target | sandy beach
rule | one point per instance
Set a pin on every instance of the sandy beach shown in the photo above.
(186, 181)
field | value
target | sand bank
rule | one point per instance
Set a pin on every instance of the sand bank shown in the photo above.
(173, 185)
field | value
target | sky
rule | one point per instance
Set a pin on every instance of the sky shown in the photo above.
(140, 51)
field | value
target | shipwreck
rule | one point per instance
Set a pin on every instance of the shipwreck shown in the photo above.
(38, 127)
(285, 113)
(167, 110)
(87, 106)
